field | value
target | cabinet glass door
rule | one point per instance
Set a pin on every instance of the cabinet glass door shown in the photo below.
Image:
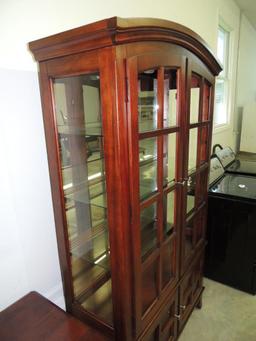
(81, 148)
(199, 127)
(156, 83)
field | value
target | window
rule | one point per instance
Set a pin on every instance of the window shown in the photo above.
(222, 82)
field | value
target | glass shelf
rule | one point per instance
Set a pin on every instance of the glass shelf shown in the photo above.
(89, 133)
(85, 272)
(103, 297)
(82, 197)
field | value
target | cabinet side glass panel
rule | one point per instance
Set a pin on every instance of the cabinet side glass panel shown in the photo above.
(78, 115)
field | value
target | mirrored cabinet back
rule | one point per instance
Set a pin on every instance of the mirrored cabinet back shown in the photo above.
(127, 107)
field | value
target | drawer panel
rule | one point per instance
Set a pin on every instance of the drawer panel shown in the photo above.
(190, 290)
(165, 325)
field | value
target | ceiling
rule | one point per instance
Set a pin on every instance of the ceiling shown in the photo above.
(249, 9)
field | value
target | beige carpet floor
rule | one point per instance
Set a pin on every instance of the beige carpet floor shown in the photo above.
(227, 315)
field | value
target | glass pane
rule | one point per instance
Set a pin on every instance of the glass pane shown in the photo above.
(170, 98)
(169, 208)
(149, 285)
(147, 101)
(204, 145)
(191, 189)
(167, 263)
(189, 231)
(223, 49)
(148, 223)
(200, 224)
(194, 99)
(148, 166)
(206, 102)
(78, 114)
(202, 189)
(153, 336)
(221, 45)
(220, 112)
(192, 159)
(169, 158)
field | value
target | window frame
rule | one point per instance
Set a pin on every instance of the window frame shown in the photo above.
(225, 76)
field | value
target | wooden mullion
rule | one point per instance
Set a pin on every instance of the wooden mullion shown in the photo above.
(171, 188)
(185, 121)
(149, 201)
(132, 74)
(198, 124)
(150, 259)
(158, 132)
(198, 158)
(160, 181)
(170, 238)
(201, 99)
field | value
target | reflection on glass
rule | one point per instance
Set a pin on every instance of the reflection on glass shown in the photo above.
(204, 144)
(191, 190)
(220, 116)
(192, 156)
(149, 285)
(148, 224)
(153, 336)
(167, 264)
(169, 202)
(78, 114)
(169, 158)
(148, 166)
(170, 97)
(194, 105)
(202, 189)
(147, 101)
(189, 237)
(194, 99)
(200, 224)
(206, 102)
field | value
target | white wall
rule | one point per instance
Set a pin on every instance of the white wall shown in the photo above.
(246, 72)
(229, 14)
(246, 83)
(28, 250)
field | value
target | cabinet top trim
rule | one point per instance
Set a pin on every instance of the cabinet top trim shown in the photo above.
(115, 31)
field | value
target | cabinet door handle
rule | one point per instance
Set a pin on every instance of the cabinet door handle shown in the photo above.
(177, 316)
(182, 307)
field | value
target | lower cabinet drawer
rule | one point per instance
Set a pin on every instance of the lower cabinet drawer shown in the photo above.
(190, 290)
(165, 326)
(173, 316)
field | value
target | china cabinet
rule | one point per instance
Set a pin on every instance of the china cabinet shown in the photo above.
(127, 107)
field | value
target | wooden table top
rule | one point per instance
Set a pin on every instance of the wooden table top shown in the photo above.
(34, 318)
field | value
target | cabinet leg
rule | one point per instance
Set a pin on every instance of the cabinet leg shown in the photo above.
(199, 303)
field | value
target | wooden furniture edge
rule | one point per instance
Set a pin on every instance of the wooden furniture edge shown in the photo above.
(116, 31)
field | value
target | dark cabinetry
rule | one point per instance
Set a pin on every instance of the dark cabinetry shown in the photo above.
(127, 109)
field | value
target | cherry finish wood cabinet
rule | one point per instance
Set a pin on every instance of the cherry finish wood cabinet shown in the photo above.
(128, 107)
